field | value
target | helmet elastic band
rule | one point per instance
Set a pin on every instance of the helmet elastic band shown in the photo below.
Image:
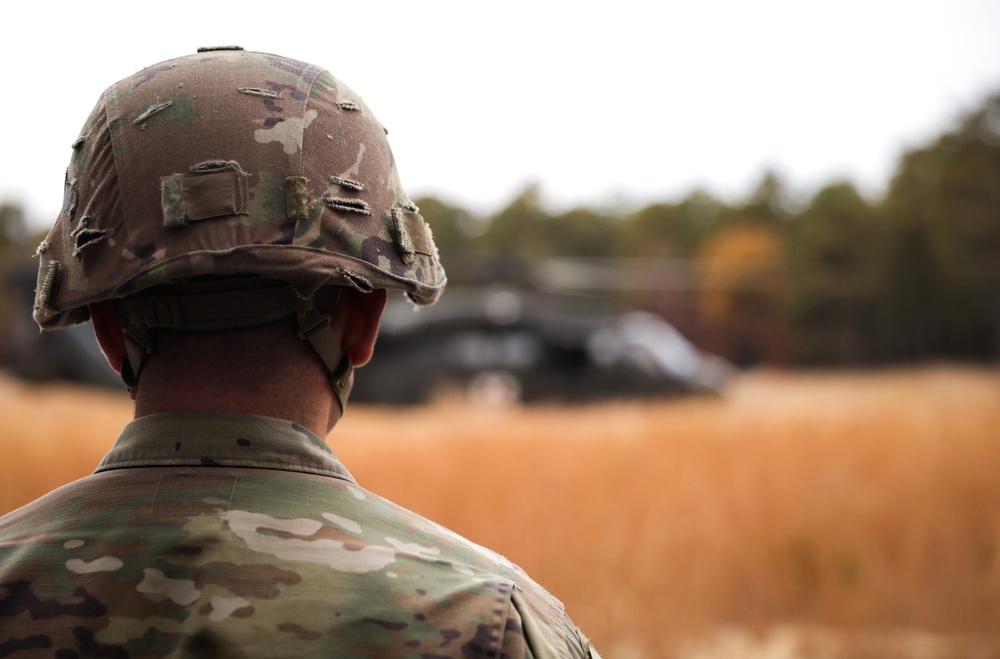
(228, 304)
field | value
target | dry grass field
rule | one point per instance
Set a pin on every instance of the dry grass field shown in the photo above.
(837, 515)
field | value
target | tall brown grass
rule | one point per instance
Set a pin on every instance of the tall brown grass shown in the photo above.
(866, 504)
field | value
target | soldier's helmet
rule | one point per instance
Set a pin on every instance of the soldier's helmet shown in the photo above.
(212, 176)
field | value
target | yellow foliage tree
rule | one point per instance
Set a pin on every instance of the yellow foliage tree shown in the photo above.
(740, 292)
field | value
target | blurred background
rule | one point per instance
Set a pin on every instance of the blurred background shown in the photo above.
(771, 229)
(783, 183)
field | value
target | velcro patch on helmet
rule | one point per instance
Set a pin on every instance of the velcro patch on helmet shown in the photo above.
(257, 91)
(347, 205)
(202, 196)
(411, 234)
(347, 183)
(150, 111)
(86, 236)
(44, 310)
(296, 198)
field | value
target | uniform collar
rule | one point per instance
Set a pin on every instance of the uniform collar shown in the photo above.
(218, 439)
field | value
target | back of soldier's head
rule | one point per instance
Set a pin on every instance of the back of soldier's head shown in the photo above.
(230, 189)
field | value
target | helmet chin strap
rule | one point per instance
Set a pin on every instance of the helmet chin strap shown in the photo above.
(216, 305)
(314, 327)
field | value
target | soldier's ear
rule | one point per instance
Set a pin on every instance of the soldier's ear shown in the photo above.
(356, 323)
(110, 333)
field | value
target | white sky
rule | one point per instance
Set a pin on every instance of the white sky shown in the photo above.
(623, 102)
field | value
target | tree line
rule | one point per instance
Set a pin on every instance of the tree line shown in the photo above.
(838, 280)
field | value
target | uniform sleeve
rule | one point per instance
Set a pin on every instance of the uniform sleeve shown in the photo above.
(579, 646)
(546, 630)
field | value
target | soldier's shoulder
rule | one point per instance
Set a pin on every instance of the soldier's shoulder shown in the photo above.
(545, 621)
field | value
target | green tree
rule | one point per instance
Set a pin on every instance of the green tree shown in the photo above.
(455, 229)
(13, 232)
(14, 253)
(943, 206)
(664, 230)
(580, 232)
(517, 227)
(769, 201)
(836, 282)
(524, 227)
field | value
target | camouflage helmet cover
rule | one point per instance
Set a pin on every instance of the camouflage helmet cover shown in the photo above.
(230, 162)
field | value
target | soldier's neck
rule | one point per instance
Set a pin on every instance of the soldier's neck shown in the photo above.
(308, 405)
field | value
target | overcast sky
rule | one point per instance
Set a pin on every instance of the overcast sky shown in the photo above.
(613, 103)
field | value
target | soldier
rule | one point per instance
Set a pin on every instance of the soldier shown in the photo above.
(231, 223)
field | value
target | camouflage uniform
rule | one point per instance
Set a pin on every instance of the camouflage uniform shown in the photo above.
(234, 189)
(208, 533)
